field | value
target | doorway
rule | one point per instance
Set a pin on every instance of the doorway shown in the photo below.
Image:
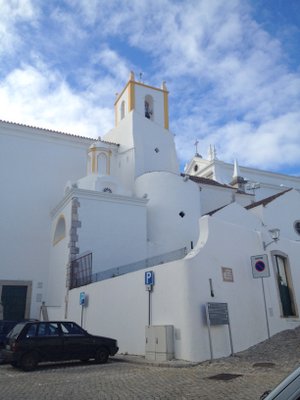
(284, 286)
(15, 299)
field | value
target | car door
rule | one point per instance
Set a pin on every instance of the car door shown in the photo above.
(78, 345)
(48, 341)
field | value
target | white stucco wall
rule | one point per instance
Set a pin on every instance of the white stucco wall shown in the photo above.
(58, 261)
(182, 289)
(119, 307)
(34, 166)
(113, 228)
(154, 147)
(169, 195)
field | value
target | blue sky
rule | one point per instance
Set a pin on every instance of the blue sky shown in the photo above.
(231, 66)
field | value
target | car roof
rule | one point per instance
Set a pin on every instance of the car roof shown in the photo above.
(284, 384)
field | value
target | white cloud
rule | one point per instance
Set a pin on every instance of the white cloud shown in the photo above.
(42, 98)
(228, 78)
(115, 65)
(12, 13)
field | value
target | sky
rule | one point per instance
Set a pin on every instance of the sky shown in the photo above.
(231, 68)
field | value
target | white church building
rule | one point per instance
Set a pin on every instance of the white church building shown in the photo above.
(109, 233)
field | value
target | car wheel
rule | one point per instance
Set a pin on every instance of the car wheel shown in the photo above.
(29, 361)
(14, 364)
(101, 355)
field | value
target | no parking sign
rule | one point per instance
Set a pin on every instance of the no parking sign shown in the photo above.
(260, 266)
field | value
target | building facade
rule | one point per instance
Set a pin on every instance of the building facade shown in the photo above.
(93, 219)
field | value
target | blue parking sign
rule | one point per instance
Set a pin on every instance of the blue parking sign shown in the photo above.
(82, 298)
(149, 278)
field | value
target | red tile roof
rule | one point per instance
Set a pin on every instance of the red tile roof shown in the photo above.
(267, 200)
(56, 132)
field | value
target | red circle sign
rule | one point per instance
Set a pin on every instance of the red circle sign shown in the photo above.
(260, 266)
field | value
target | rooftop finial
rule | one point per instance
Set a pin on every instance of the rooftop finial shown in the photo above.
(164, 86)
(131, 76)
(196, 146)
(236, 169)
(212, 153)
(237, 179)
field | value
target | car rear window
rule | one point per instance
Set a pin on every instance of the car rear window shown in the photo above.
(16, 330)
(6, 326)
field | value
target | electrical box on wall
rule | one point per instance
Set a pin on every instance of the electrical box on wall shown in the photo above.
(159, 342)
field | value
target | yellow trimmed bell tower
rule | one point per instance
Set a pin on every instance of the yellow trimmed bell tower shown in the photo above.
(149, 101)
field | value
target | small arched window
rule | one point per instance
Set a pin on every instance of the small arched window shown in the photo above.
(149, 107)
(60, 230)
(122, 110)
(102, 164)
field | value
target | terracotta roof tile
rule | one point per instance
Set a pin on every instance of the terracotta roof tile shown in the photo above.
(207, 181)
(56, 132)
(267, 200)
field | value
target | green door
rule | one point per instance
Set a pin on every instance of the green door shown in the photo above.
(13, 300)
(287, 304)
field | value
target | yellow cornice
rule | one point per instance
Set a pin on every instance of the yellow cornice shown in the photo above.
(94, 161)
(166, 110)
(131, 96)
(139, 84)
(120, 95)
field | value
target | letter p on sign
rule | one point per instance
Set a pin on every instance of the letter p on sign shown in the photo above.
(149, 278)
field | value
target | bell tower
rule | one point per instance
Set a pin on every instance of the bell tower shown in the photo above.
(147, 100)
(142, 130)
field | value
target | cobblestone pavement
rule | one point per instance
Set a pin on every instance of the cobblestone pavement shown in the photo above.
(131, 377)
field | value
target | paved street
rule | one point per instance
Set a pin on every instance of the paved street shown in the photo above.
(130, 377)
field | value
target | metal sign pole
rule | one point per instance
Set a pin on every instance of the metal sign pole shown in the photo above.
(230, 338)
(209, 334)
(149, 308)
(266, 310)
(149, 282)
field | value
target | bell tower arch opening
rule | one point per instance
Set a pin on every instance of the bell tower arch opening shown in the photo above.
(148, 104)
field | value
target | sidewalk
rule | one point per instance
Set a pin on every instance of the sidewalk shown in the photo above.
(281, 351)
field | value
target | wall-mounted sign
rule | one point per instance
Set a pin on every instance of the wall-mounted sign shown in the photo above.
(217, 314)
(227, 274)
(149, 280)
(82, 298)
(260, 266)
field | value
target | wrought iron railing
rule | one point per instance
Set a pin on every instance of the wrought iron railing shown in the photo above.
(83, 279)
(81, 271)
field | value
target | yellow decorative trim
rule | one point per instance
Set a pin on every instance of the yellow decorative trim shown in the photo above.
(150, 87)
(166, 110)
(131, 96)
(94, 161)
(116, 115)
(108, 163)
(139, 84)
(120, 95)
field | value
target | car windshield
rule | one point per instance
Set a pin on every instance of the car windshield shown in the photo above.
(16, 330)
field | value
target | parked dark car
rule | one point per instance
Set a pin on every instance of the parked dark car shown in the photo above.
(5, 327)
(32, 342)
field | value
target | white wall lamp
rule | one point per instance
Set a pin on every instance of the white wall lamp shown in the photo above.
(275, 234)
